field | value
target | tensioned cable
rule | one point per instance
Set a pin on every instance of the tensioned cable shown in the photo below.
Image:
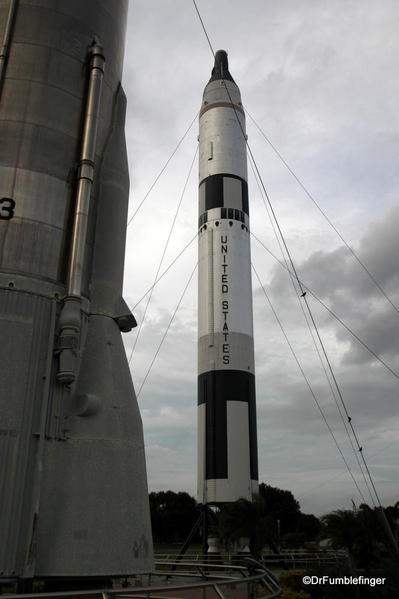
(310, 491)
(162, 170)
(330, 368)
(167, 329)
(360, 449)
(164, 252)
(311, 197)
(308, 383)
(164, 272)
(291, 277)
(326, 482)
(333, 314)
(203, 27)
(303, 292)
(303, 295)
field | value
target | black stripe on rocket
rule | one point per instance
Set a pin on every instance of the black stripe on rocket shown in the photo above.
(216, 193)
(215, 389)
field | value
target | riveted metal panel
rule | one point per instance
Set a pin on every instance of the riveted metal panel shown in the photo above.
(241, 352)
(75, 499)
(232, 192)
(201, 202)
(95, 497)
(228, 441)
(40, 122)
(24, 319)
(201, 453)
(38, 194)
(221, 127)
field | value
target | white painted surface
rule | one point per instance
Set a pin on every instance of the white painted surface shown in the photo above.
(237, 291)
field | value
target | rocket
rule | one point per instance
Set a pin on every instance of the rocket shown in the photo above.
(227, 437)
(73, 484)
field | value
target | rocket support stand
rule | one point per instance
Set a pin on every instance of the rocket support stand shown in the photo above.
(204, 532)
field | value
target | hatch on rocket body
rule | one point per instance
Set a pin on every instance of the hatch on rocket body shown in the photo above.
(72, 463)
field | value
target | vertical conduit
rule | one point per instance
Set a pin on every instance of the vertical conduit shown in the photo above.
(86, 172)
(5, 47)
(70, 317)
(30, 559)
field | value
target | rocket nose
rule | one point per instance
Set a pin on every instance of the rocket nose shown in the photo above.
(221, 68)
(221, 63)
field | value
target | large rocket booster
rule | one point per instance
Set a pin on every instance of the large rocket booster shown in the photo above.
(73, 495)
(227, 443)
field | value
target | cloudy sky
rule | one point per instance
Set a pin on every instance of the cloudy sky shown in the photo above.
(320, 80)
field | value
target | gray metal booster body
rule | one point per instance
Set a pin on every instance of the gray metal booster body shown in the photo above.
(73, 495)
(227, 436)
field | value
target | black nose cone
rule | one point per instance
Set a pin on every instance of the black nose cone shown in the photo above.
(221, 68)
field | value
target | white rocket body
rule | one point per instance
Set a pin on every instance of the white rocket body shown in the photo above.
(227, 443)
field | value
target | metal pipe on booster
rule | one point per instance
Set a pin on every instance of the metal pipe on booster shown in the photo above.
(86, 170)
(5, 47)
(70, 317)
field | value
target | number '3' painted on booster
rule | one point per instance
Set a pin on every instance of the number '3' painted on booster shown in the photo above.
(7, 206)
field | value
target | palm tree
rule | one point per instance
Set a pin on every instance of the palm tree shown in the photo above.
(342, 528)
(355, 530)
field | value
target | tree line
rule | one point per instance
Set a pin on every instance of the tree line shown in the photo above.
(273, 520)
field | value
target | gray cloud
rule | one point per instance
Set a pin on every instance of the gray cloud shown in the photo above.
(320, 81)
